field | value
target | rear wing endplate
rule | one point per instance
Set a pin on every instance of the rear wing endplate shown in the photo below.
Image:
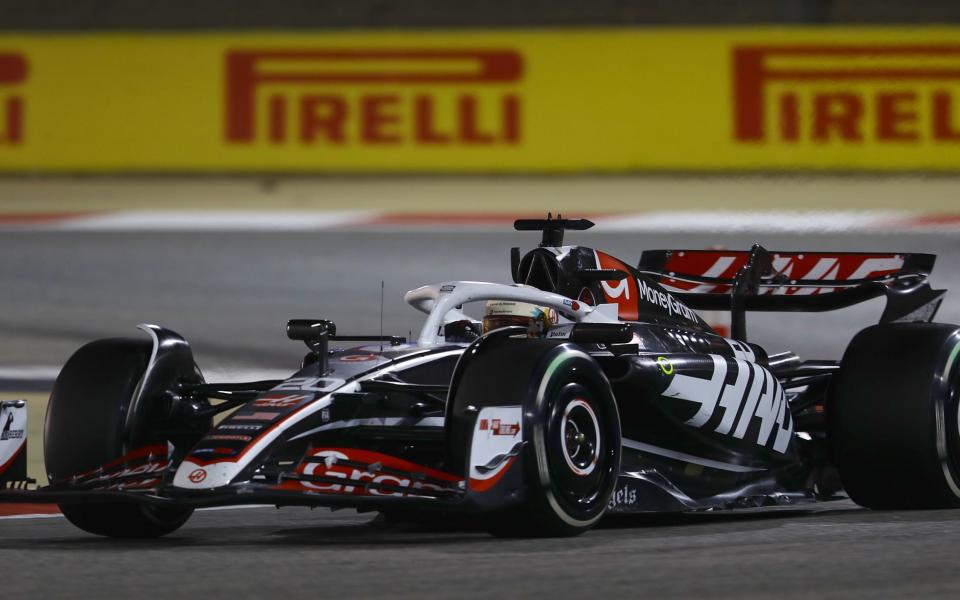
(763, 280)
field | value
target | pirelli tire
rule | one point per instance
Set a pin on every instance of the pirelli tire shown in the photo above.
(571, 455)
(893, 417)
(85, 428)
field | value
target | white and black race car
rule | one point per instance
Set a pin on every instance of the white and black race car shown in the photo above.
(629, 403)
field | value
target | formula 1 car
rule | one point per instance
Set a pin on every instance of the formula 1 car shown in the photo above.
(629, 403)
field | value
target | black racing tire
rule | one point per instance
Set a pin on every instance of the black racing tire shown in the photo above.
(85, 429)
(572, 429)
(893, 417)
(131, 521)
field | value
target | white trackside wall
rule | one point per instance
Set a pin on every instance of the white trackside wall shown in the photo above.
(13, 432)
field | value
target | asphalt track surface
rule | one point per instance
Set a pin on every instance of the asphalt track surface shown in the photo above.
(837, 551)
(231, 295)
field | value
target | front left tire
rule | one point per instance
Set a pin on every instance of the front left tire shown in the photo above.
(571, 453)
(85, 428)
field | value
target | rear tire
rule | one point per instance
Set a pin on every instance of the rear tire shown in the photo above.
(85, 429)
(893, 417)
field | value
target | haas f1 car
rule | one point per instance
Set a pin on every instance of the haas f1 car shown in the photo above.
(629, 402)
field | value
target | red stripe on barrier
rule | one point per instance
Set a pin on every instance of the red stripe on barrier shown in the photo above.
(934, 220)
(40, 218)
(10, 510)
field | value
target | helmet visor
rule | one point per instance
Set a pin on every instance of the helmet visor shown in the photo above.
(492, 322)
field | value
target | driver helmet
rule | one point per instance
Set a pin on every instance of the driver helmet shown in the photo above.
(510, 313)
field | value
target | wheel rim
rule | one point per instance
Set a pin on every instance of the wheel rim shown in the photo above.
(580, 437)
(577, 454)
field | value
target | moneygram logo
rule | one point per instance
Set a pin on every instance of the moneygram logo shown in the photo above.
(337, 98)
(854, 94)
(13, 72)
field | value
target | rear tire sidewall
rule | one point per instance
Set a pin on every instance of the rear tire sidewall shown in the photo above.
(947, 406)
(893, 417)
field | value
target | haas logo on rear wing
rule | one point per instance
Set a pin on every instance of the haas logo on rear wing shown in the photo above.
(761, 280)
(797, 273)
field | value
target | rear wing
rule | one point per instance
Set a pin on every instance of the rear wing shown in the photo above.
(763, 280)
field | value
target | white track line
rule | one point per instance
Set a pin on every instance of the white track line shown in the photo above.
(60, 515)
(29, 372)
(34, 516)
(761, 221)
(215, 220)
(10, 374)
(713, 221)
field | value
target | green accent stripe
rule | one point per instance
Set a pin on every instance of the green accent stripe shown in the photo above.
(559, 359)
(952, 358)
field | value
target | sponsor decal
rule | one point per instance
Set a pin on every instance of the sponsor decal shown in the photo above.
(150, 467)
(629, 291)
(150, 453)
(446, 289)
(310, 384)
(205, 475)
(792, 265)
(826, 93)
(13, 439)
(278, 401)
(8, 432)
(497, 427)
(560, 331)
(132, 472)
(408, 478)
(336, 97)
(666, 301)
(357, 358)
(737, 387)
(665, 365)
(832, 98)
(221, 450)
(495, 445)
(229, 437)
(622, 497)
(741, 350)
(13, 73)
(134, 485)
(254, 416)
(240, 427)
(623, 293)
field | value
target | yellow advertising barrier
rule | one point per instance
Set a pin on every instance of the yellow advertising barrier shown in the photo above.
(501, 101)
